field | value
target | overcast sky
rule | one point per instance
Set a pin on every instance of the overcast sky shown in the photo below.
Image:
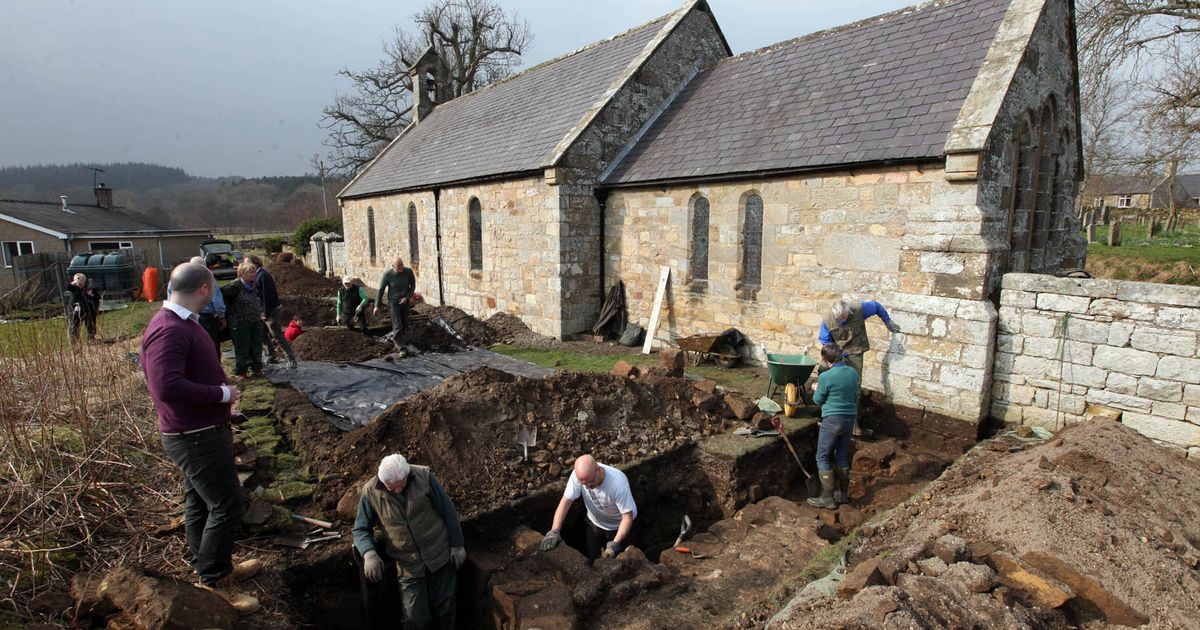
(225, 87)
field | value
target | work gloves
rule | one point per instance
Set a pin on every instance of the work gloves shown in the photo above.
(339, 320)
(892, 326)
(373, 565)
(611, 549)
(550, 540)
(458, 555)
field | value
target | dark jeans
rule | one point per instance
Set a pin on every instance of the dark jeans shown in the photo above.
(247, 346)
(349, 318)
(597, 539)
(212, 495)
(212, 325)
(429, 600)
(77, 319)
(274, 328)
(399, 314)
(833, 442)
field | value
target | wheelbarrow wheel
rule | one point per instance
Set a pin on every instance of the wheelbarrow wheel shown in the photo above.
(791, 405)
(727, 356)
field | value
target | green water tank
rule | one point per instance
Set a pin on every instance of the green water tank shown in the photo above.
(110, 273)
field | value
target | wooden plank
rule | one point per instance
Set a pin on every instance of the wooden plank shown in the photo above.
(663, 274)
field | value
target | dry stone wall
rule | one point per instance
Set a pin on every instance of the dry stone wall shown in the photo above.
(1064, 344)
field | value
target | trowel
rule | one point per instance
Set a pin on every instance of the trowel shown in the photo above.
(526, 437)
(684, 528)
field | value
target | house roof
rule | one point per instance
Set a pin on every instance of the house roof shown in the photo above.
(886, 88)
(508, 127)
(1100, 185)
(82, 219)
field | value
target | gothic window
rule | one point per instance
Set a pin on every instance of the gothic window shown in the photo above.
(371, 232)
(699, 245)
(752, 237)
(414, 251)
(476, 214)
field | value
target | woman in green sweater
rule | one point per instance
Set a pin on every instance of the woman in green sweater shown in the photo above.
(836, 391)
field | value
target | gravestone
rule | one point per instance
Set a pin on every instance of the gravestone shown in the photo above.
(1091, 233)
(1114, 234)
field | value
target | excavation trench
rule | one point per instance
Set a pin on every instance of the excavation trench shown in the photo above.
(744, 496)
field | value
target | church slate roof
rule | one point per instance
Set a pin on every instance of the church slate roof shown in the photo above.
(509, 127)
(886, 88)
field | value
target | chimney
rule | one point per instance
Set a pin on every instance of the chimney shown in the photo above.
(104, 196)
(430, 84)
(66, 208)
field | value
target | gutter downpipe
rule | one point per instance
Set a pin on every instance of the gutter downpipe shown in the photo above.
(437, 239)
(602, 201)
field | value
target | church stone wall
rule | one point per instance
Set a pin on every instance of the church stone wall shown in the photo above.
(825, 236)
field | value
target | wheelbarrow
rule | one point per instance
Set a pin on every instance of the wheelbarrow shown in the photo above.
(715, 347)
(789, 372)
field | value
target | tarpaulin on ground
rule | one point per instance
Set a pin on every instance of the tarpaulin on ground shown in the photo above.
(354, 393)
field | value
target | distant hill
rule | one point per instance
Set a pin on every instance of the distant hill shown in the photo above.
(180, 199)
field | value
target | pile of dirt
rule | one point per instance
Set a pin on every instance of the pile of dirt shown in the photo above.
(508, 327)
(429, 337)
(1096, 527)
(315, 312)
(291, 279)
(466, 429)
(476, 332)
(337, 345)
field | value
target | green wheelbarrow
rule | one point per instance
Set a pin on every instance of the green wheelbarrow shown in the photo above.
(789, 369)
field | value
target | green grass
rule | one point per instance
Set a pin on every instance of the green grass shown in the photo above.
(749, 380)
(1180, 245)
(26, 337)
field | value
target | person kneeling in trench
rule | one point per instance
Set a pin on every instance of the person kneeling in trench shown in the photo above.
(836, 391)
(424, 539)
(610, 508)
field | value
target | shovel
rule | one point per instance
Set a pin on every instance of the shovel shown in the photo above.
(526, 437)
(684, 528)
(809, 483)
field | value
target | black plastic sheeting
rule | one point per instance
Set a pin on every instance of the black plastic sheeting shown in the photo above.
(354, 393)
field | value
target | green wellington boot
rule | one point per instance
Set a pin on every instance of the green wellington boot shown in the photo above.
(841, 492)
(826, 499)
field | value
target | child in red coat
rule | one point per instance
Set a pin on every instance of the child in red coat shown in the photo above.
(295, 329)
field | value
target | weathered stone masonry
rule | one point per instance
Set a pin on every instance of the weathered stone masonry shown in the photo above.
(1065, 344)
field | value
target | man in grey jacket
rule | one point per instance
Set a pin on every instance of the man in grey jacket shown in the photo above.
(398, 284)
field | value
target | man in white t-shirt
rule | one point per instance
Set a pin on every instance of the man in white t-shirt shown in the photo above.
(609, 503)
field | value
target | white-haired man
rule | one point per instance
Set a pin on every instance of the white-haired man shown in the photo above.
(423, 537)
(846, 327)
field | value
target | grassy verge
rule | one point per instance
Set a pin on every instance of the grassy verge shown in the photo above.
(27, 337)
(1172, 258)
(749, 380)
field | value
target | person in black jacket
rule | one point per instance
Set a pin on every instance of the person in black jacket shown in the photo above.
(83, 305)
(273, 317)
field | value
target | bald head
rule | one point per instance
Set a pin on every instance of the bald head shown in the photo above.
(398, 264)
(199, 260)
(588, 472)
(189, 277)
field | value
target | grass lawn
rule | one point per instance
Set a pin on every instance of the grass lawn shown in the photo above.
(1172, 258)
(25, 337)
(749, 380)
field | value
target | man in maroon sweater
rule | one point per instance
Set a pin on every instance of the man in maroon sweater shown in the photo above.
(188, 386)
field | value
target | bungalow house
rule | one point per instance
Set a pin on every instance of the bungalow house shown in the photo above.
(66, 228)
(913, 158)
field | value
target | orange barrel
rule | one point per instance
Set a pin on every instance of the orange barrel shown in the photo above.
(150, 284)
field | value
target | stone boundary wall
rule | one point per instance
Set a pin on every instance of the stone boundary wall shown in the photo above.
(1064, 344)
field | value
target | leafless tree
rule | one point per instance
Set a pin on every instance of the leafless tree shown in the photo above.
(477, 41)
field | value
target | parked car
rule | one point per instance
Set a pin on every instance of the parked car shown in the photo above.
(219, 258)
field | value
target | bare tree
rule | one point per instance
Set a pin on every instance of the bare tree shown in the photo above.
(477, 42)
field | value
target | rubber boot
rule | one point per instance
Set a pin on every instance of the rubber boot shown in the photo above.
(826, 499)
(841, 494)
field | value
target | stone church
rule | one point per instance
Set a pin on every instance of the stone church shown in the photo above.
(912, 158)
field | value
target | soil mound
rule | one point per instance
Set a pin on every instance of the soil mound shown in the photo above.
(315, 312)
(466, 428)
(340, 346)
(291, 279)
(508, 327)
(476, 332)
(1096, 527)
(429, 337)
